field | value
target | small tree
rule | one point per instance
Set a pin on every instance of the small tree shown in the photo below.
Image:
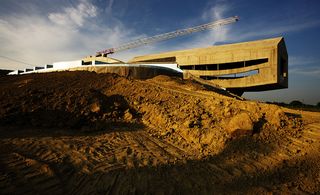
(318, 104)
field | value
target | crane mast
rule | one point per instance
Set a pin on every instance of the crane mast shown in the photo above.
(169, 35)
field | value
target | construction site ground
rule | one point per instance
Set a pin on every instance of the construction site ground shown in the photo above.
(87, 133)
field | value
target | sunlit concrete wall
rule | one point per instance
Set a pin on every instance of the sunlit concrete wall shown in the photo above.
(214, 63)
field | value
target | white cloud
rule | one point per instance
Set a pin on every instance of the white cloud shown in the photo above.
(74, 16)
(215, 12)
(218, 12)
(66, 35)
(58, 37)
(215, 35)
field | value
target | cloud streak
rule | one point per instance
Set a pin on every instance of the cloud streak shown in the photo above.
(302, 61)
(263, 30)
(109, 7)
(307, 71)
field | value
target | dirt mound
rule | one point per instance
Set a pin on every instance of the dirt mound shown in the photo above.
(89, 102)
(107, 133)
(63, 100)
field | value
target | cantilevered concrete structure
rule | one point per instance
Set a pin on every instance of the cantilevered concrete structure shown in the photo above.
(249, 66)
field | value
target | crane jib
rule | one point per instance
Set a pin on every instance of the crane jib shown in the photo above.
(169, 35)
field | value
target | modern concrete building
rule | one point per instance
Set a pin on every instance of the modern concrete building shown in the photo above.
(249, 66)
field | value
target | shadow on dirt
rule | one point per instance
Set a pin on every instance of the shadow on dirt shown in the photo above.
(257, 126)
(99, 114)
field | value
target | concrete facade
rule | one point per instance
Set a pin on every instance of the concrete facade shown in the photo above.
(249, 66)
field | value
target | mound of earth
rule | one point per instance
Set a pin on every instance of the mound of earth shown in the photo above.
(82, 132)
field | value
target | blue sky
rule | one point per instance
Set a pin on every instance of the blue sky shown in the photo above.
(44, 31)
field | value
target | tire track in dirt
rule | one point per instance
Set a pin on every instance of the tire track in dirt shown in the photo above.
(174, 151)
(27, 170)
(212, 171)
(140, 145)
(248, 166)
(35, 169)
(34, 175)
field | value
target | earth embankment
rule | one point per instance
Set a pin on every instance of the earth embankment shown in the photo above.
(82, 132)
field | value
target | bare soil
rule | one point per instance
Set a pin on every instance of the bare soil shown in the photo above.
(87, 133)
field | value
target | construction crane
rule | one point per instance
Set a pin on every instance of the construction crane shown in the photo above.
(169, 35)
